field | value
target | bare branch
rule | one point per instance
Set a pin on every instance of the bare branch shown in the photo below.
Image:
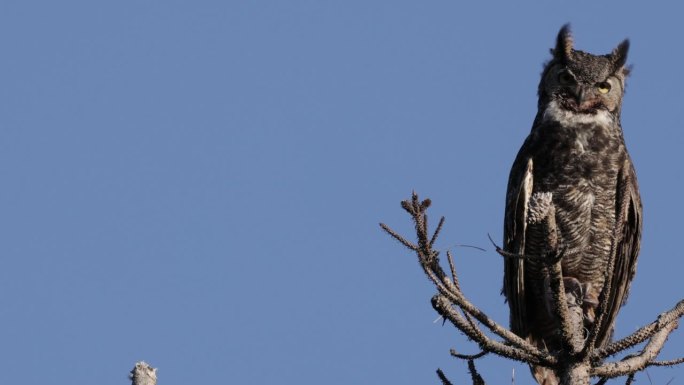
(454, 295)
(644, 333)
(452, 267)
(442, 377)
(667, 363)
(468, 356)
(443, 306)
(448, 288)
(571, 325)
(507, 254)
(437, 231)
(639, 362)
(477, 379)
(630, 379)
(457, 298)
(398, 237)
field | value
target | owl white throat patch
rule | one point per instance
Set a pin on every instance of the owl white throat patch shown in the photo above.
(555, 113)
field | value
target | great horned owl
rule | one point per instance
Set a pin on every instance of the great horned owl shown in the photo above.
(573, 165)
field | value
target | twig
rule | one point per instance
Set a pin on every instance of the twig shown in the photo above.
(477, 379)
(507, 254)
(436, 234)
(398, 237)
(667, 363)
(442, 377)
(571, 332)
(468, 356)
(452, 267)
(630, 379)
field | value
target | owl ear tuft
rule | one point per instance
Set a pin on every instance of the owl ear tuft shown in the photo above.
(563, 50)
(619, 55)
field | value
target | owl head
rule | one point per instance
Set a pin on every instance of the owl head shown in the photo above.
(581, 84)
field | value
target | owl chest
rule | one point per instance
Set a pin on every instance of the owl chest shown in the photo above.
(585, 157)
(580, 171)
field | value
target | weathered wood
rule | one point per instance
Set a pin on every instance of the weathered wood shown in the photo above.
(143, 374)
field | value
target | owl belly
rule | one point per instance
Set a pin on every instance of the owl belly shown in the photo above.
(585, 216)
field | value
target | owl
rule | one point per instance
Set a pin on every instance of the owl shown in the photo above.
(574, 167)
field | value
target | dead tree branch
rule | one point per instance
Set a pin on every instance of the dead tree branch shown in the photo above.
(642, 334)
(578, 360)
(443, 377)
(143, 374)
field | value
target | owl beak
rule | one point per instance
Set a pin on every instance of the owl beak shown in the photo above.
(580, 96)
(586, 100)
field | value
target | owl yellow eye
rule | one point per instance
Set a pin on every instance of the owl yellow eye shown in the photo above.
(603, 87)
(564, 78)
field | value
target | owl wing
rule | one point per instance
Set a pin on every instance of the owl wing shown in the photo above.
(626, 245)
(520, 183)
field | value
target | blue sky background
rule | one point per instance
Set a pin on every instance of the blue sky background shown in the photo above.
(198, 184)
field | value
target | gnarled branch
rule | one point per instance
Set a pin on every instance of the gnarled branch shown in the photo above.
(577, 360)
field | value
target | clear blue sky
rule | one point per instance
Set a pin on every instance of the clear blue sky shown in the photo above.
(198, 183)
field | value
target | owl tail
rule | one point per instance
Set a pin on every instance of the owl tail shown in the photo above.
(544, 376)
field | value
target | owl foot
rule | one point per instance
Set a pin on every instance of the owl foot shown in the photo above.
(574, 293)
(590, 303)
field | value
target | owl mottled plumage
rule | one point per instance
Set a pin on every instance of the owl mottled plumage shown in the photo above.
(573, 165)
